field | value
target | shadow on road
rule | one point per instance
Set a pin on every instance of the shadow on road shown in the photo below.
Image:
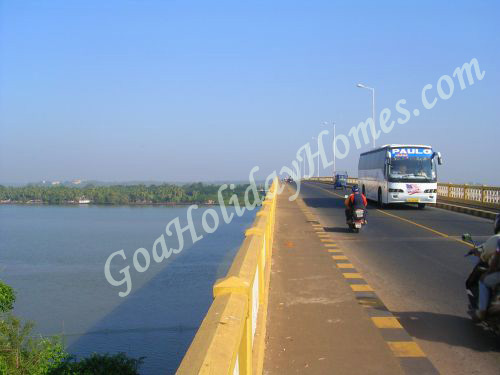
(322, 202)
(450, 329)
(337, 229)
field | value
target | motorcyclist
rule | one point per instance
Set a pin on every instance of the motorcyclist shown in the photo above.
(491, 278)
(355, 201)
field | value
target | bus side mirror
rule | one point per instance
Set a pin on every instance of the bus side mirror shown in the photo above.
(440, 159)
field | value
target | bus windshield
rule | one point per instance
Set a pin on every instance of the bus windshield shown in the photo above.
(413, 170)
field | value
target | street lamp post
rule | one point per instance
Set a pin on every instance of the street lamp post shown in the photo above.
(360, 85)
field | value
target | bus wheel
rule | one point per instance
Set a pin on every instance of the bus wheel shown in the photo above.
(421, 206)
(379, 201)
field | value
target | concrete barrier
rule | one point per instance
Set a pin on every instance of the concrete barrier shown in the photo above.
(230, 339)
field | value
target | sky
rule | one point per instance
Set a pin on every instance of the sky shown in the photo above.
(206, 90)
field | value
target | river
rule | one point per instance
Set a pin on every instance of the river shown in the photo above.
(54, 257)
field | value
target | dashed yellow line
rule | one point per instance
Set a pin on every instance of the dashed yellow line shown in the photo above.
(406, 349)
(352, 275)
(386, 322)
(330, 244)
(334, 251)
(327, 240)
(339, 257)
(361, 288)
(345, 265)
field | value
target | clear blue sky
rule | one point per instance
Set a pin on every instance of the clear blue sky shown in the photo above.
(199, 90)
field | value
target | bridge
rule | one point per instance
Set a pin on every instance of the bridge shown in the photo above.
(306, 296)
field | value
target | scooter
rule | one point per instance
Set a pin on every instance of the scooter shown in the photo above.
(492, 321)
(357, 220)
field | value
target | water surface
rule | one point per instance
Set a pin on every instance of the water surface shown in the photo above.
(54, 257)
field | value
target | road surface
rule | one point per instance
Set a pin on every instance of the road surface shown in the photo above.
(414, 260)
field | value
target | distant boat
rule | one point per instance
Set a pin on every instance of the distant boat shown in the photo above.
(83, 201)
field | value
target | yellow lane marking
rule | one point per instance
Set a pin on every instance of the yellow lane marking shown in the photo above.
(345, 265)
(410, 222)
(326, 240)
(339, 257)
(352, 275)
(330, 244)
(386, 322)
(425, 227)
(406, 349)
(362, 288)
(323, 234)
(334, 251)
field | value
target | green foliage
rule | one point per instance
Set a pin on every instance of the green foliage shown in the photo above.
(120, 194)
(21, 354)
(100, 364)
(7, 297)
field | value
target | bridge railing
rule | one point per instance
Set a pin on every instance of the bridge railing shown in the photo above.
(226, 342)
(485, 196)
(477, 195)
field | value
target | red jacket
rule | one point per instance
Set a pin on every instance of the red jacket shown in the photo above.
(350, 200)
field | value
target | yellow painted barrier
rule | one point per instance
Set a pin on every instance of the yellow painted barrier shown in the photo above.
(226, 343)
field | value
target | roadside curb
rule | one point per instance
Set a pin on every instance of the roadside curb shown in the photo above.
(466, 210)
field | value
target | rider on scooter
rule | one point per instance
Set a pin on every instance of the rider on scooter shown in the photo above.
(491, 278)
(356, 200)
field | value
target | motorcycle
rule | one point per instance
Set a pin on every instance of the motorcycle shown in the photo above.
(357, 220)
(492, 321)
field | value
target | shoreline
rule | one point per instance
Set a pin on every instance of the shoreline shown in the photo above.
(111, 204)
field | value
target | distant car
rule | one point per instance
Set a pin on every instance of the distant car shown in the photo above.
(289, 179)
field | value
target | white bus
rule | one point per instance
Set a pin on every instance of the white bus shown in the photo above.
(399, 174)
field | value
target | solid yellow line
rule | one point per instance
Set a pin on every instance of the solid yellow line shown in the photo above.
(417, 224)
(352, 275)
(386, 322)
(361, 288)
(339, 257)
(425, 227)
(345, 265)
(405, 349)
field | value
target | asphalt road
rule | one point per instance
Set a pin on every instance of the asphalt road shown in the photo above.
(415, 261)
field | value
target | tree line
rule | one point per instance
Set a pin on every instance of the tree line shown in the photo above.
(120, 194)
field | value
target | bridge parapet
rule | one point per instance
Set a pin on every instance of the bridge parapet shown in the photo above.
(230, 338)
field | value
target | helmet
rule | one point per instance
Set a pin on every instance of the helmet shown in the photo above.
(497, 224)
(355, 189)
